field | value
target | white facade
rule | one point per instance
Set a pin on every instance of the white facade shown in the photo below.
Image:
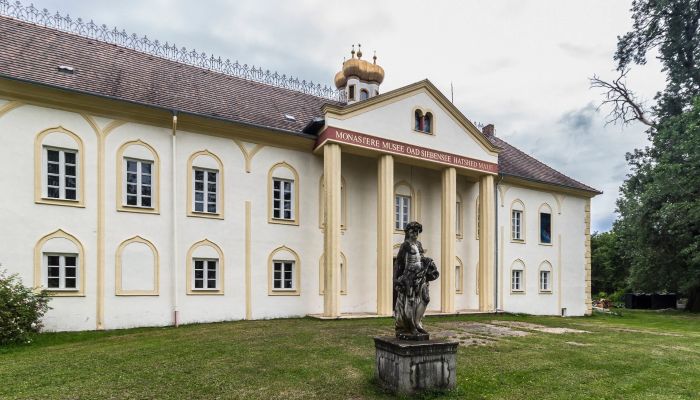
(137, 267)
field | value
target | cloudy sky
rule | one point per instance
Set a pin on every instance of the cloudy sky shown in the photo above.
(521, 65)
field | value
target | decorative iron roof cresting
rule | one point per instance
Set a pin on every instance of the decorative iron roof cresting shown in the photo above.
(165, 50)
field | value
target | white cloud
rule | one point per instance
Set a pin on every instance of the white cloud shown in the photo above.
(523, 66)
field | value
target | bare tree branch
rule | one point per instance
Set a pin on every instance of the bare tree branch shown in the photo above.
(625, 106)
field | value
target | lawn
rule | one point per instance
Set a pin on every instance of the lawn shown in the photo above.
(650, 355)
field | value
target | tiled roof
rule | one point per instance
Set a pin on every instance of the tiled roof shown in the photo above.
(513, 162)
(33, 53)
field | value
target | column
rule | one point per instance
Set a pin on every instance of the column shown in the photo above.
(447, 240)
(487, 238)
(331, 233)
(385, 231)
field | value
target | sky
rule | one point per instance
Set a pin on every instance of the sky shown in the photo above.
(523, 65)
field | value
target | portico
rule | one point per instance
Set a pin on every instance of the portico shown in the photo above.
(333, 142)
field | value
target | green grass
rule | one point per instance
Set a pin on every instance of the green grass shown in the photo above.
(639, 355)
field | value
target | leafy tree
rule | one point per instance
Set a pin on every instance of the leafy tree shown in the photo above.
(608, 269)
(658, 231)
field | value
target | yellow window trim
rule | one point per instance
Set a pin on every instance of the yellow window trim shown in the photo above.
(270, 175)
(297, 274)
(188, 276)
(459, 289)
(118, 290)
(39, 264)
(38, 164)
(220, 203)
(343, 276)
(414, 204)
(523, 231)
(155, 181)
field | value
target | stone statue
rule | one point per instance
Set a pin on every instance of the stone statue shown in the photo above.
(412, 272)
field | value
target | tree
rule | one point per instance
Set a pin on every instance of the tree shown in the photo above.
(608, 270)
(658, 229)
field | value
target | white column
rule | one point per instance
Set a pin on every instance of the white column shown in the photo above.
(385, 231)
(331, 235)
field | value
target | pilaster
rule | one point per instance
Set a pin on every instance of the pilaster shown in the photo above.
(487, 238)
(331, 235)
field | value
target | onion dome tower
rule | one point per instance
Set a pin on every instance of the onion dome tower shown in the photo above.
(359, 78)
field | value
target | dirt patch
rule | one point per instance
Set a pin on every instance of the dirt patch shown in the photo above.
(481, 329)
(578, 344)
(536, 327)
(627, 330)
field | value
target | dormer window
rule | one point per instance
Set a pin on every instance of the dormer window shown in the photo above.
(364, 94)
(423, 122)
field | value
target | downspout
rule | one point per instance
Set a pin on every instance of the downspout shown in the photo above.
(495, 257)
(176, 269)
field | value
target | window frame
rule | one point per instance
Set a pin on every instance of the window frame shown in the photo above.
(205, 190)
(459, 276)
(401, 218)
(351, 92)
(62, 272)
(282, 200)
(139, 183)
(545, 209)
(40, 271)
(120, 183)
(282, 280)
(548, 287)
(205, 276)
(290, 255)
(365, 92)
(221, 271)
(220, 185)
(271, 176)
(62, 175)
(518, 267)
(545, 267)
(41, 170)
(418, 121)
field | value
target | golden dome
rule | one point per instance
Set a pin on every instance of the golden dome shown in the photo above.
(362, 69)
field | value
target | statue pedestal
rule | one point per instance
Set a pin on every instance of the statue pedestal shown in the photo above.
(408, 367)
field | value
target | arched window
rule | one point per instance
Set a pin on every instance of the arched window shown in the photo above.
(517, 277)
(59, 168)
(517, 221)
(343, 274)
(428, 123)
(418, 118)
(59, 264)
(545, 224)
(205, 183)
(284, 272)
(545, 277)
(322, 202)
(138, 186)
(404, 205)
(137, 268)
(364, 94)
(459, 276)
(283, 194)
(205, 269)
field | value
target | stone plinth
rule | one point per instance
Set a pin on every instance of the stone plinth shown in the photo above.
(413, 366)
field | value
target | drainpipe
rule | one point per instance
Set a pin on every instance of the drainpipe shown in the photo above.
(173, 194)
(495, 257)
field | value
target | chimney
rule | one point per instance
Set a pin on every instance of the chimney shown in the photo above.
(489, 130)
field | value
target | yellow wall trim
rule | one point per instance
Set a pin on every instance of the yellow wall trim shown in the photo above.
(220, 187)
(155, 182)
(39, 264)
(248, 155)
(190, 270)
(297, 273)
(7, 107)
(118, 290)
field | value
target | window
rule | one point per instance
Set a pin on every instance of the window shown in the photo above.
(205, 269)
(517, 277)
(205, 190)
(423, 122)
(61, 174)
(516, 224)
(282, 204)
(402, 208)
(545, 227)
(61, 271)
(545, 281)
(283, 275)
(516, 283)
(364, 94)
(59, 168)
(138, 182)
(59, 265)
(206, 276)
(351, 92)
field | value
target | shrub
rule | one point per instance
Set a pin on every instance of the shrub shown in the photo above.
(21, 310)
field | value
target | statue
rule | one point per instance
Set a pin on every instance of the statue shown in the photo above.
(412, 272)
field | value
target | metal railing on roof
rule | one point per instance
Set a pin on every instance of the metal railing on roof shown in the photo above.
(165, 50)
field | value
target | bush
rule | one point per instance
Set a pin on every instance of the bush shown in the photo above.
(21, 310)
